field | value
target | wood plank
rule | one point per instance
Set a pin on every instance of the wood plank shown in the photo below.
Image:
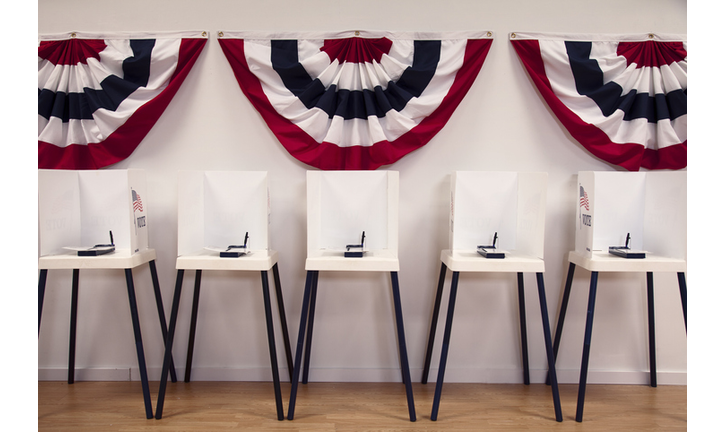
(226, 406)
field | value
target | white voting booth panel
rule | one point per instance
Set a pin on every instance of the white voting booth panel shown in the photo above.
(80, 208)
(343, 204)
(218, 208)
(650, 206)
(509, 203)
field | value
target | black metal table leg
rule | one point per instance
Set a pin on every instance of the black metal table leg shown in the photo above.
(549, 347)
(169, 343)
(161, 313)
(283, 319)
(523, 329)
(652, 323)
(310, 329)
(682, 292)
(73, 326)
(562, 313)
(445, 346)
(272, 344)
(433, 323)
(139, 343)
(586, 347)
(405, 366)
(41, 294)
(300, 344)
(192, 326)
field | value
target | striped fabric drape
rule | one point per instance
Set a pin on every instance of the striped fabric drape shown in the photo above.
(355, 100)
(623, 97)
(100, 94)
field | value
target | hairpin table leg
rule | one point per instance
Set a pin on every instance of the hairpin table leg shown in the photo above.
(283, 319)
(169, 343)
(523, 329)
(433, 323)
(300, 344)
(404, 363)
(310, 328)
(192, 326)
(139, 343)
(161, 313)
(549, 348)
(652, 322)
(41, 294)
(272, 345)
(682, 291)
(586, 347)
(73, 326)
(445, 346)
(562, 313)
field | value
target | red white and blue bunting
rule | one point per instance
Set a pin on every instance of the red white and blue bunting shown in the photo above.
(99, 95)
(623, 97)
(355, 100)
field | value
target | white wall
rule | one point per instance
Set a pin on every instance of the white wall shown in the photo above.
(503, 124)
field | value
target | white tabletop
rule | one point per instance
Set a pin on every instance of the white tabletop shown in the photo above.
(326, 260)
(605, 262)
(119, 259)
(255, 260)
(472, 261)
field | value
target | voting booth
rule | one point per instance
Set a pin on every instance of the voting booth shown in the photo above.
(218, 208)
(341, 205)
(650, 207)
(223, 224)
(496, 224)
(97, 220)
(510, 204)
(357, 212)
(626, 222)
(79, 209)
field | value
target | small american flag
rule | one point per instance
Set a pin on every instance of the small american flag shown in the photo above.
(137, 203)
(584, 199)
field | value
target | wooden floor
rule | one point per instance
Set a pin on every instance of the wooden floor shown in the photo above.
(225, 406)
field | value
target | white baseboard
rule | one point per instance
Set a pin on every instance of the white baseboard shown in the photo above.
(90, 374)
(621, 377)
(491, 376)
(569, 376)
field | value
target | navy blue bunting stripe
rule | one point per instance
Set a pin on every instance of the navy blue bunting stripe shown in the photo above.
(114, 89)
(609, 97)
(351, 104)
